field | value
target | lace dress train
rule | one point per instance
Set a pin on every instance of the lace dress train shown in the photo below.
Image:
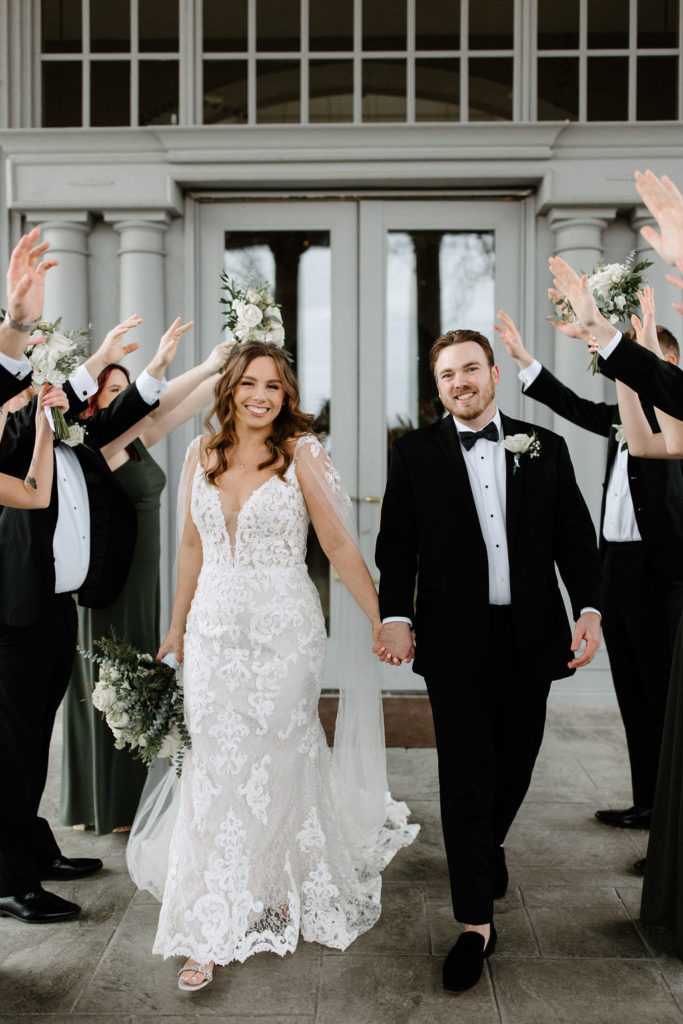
(261, 850)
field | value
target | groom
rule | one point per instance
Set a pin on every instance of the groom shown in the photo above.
(481, 530)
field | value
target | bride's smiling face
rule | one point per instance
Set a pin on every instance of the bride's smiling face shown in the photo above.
(259, 396)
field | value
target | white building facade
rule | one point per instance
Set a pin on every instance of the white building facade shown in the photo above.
(394, 167)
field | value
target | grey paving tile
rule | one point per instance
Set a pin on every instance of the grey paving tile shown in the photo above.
(402, 927)
(398, 990)
(590, 991)
(515, 935)
(423, 863)
(583, 932)
(413, 773)
(567, 835)
(265, 984)
(660, 942)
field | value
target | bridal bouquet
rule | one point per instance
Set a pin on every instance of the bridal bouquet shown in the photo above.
(252, 314)
(141, 700)
(615, 289)
(55, 360)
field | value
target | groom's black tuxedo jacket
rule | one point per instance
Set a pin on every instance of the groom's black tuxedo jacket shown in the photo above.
(27, 571)
(655, 380)
(430, 533)
(656, 485)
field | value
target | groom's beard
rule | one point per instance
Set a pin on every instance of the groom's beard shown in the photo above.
(482, 398)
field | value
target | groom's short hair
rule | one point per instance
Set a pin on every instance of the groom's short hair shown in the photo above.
(457, 338)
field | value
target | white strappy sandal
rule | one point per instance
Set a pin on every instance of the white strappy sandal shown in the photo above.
(195, 968)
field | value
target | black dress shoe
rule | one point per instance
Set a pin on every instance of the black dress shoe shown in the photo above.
(632, 817)
(38, 907)
(500, 875)
(463, 966)
(64, 870)
(639, 866)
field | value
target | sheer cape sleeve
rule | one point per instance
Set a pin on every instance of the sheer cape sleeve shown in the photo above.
(359, 757)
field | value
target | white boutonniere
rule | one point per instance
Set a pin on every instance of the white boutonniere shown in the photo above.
(620, 436)
(76, 434)
(522, 444)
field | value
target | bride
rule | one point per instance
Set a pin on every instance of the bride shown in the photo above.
(274, 836)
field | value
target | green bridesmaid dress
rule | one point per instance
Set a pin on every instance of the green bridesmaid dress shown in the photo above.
(102, 785)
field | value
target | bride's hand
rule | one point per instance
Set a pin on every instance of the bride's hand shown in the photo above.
(173, 641)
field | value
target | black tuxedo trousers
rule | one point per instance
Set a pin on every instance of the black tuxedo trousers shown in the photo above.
(489, 716)
(35, 668)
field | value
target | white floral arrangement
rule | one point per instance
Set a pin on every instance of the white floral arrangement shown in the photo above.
(522, 444)
(76, 434)
(252, 314)
(615, 289)
(141, 700)
(620, 436)
(54, 361)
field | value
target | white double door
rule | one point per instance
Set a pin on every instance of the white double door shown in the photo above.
(365, 286)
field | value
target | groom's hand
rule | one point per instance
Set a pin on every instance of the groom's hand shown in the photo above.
(587, 629)
(395, 643)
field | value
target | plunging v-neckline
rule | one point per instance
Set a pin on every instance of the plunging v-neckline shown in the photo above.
(233, 543)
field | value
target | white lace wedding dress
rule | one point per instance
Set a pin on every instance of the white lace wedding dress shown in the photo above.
(261, 850)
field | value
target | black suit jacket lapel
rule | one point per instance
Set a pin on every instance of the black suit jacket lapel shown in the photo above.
(452, 449)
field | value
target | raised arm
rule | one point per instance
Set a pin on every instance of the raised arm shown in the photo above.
(35, 490)
(25, 293)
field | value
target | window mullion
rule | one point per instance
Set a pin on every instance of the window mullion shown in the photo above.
(464, 60)
(85, 42)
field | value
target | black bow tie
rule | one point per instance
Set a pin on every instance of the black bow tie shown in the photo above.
(469, 438)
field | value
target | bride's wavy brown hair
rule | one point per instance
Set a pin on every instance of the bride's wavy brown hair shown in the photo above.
(289, 422)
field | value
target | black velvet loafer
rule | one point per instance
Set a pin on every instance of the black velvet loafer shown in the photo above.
(632, 817)
(64, 870)
(463, 966)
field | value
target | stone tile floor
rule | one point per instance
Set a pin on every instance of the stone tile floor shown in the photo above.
(571, 950)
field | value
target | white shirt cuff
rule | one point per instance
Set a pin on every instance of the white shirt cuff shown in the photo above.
(150, 388)
(17, 367)
(397, 618)
(607, 351)
(589, 609)
(529, 374)
(82, 383)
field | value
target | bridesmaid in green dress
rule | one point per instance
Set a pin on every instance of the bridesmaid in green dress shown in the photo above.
(101, 785)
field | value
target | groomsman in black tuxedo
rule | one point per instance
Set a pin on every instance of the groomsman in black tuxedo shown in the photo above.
(480, 529)
(81, 543)
(641, 544)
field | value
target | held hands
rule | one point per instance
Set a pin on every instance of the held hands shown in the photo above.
(26, 279)
(587, 629)
(512, 340)
(168, 347)
(50, 396)
(394, 643)
(665, 203)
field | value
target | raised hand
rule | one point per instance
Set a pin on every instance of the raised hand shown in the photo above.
(168, 346)
(665, 203)
(575, 289)
(512, 340)
(678, 281)
(26, 278)
(646, 332)
(218, 356)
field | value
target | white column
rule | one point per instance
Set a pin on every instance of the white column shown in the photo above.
(655, 275)
(578, 240)
(142, 291)
(66, 285)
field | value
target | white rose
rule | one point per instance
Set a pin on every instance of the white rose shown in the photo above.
(237, 305)
(118, 720)
(76, 435)
(614, 319)
(273, 312)
(59, 342)
(251, 315)
(104, 697)
(620, 301)
(253, 295)
(601, 283)
(517, 443)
